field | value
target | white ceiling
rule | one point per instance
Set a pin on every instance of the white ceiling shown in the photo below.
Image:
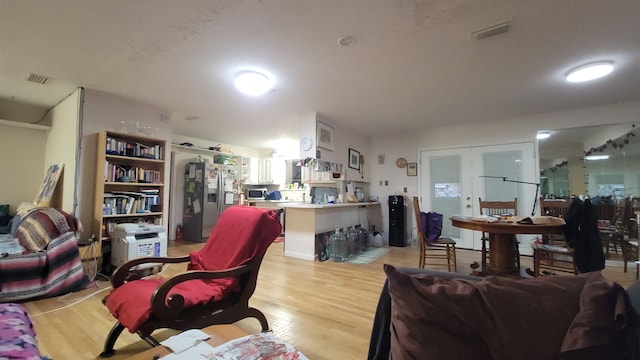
(413, 64)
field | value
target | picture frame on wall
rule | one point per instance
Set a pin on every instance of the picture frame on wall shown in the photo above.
(324, 136)
(354, 159)
(412, 169)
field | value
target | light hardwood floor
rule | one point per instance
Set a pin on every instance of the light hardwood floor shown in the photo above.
(324, 309)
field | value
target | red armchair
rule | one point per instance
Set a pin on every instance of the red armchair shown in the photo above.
(221, 278)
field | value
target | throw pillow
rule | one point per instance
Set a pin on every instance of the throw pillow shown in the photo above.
(495, 318)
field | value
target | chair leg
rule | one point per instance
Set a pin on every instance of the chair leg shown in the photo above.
(452, 249)
(484, 253)
(536, 262)
(253, 312)
(149, 340)
(448, 258)
(108, 350)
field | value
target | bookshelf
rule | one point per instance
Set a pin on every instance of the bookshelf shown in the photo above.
(130, 175)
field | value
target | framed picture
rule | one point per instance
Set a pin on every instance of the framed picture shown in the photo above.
(48, 187)
(354, 159)
(412, 169)
(325, 136)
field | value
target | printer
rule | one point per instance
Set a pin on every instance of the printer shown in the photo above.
(133, 240)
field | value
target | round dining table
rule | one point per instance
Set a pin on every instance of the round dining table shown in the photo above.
(502, 237)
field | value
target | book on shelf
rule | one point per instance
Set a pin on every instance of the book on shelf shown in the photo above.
(115, 146)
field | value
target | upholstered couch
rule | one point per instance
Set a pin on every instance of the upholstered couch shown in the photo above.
(49, 264)
(426, 314)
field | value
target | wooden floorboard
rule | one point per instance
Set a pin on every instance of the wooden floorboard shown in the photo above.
(324, 309)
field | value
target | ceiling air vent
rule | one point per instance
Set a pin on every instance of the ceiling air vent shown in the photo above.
(490, 31)
(38, 79)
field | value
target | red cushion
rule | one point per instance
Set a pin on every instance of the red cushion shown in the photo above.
(241, 235)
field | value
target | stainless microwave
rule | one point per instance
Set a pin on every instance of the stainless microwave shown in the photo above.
(256, 193)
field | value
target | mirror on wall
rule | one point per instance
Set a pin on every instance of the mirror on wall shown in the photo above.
(602, 162)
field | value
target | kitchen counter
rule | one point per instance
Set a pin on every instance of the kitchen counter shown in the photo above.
(289, 204)
(303, 221)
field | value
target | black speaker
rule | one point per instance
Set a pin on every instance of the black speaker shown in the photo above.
(397, 220)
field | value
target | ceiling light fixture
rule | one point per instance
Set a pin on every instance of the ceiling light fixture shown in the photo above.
(590, 71)
(542, 135)
(253, 83)
(596, 157)
(346, 40)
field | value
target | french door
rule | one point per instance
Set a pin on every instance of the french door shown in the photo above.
(452, 181)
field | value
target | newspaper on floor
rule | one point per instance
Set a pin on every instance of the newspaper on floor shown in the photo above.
(263, 346)
(185, 340)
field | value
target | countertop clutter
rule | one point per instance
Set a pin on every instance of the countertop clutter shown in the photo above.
(299, 204)
(325, 206)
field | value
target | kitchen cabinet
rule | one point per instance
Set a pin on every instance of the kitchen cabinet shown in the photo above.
(265, 175)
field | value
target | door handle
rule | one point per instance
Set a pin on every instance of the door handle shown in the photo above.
(468, 206)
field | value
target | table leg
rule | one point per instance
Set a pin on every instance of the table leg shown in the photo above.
(502, 260)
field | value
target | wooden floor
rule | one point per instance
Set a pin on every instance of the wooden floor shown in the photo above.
(324, 309)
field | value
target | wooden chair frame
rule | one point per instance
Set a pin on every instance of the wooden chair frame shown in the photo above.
(488, 207)
(554, 254)
(440, 250)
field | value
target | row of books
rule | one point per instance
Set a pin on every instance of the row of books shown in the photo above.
(127, 202)
(120, 173)
(120, 147)
(109, 225)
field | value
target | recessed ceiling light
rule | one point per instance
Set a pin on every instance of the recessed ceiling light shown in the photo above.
(542, 135)
(590, 71)
(346, 40)
(596, 157)
(253, 83)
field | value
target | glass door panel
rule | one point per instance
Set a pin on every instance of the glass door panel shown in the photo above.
(452, 180)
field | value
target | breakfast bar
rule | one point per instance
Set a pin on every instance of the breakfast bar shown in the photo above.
(303, 221)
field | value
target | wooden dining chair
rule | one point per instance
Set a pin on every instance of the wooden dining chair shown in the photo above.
(497, 208)
(441, 249)
(553, 254)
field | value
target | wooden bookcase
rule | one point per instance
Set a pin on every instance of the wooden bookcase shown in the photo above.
(130, 176)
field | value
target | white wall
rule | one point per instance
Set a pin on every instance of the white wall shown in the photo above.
(21, 163)
(101, 112)
(465, 135)
(62, 144)
(343, 139)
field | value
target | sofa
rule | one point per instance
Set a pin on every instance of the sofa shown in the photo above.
(427, 314)
(49, 262)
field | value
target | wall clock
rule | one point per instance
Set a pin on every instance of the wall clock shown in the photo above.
(306, 142)
(401, 162)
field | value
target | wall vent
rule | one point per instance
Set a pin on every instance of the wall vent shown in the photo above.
(38, 79)
(490, 31)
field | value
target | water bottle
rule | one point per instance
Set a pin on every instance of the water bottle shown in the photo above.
(338, 246)
(363, 237)
(354, 237)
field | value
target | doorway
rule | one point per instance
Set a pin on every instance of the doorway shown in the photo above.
(452, 181)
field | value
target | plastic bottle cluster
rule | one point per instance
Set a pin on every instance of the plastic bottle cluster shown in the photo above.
(347, 242)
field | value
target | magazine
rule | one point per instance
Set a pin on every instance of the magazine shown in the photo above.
(264, 346)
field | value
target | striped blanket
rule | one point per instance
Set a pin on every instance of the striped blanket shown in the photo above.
(55, 270)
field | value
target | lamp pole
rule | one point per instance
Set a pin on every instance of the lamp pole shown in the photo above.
(504, 178)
